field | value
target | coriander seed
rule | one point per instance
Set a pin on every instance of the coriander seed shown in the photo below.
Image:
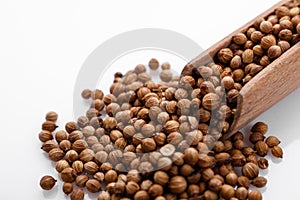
(240, 38)
(68, 175)
(255, 195)
(260, 127)
(256, 36)
(51, 116)
(241, 193)
(141, 195)
(165, 66)
(49, 126)
(259, 182)
(236, 62)
(49, 145)
(225, 55)
(210, 101)
(61, 165)
(79, 145)
(77, 194)
(272, 141)
(228, 82)
(227, 191)
(247, 56)
(261, 148)
(86, 94)
(47, 182)
(56, 154)
(91, 167)
(148, 144)
(140, 68)
(177, 184)
(78, 166)
(250, 170)
(266, 26)
(132, 187)
(93, 186)
(65, 145)
(243, 181)
(285, 34)
(277, 151)
(267, 42)
(67, 188)
(110, 176)
(166, 75)
(60, 135)
(282, 11)
(153, 64)
(45, 135)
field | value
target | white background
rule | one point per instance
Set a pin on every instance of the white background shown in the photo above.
(43, 45)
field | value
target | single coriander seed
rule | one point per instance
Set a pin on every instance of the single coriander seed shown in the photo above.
(260, 127)
(77, 194)
(86, 94)
(49, 126)
(45, 135)
(250, 170)
(67, 188)
(93, 186)
(177, 184)
(153, 64)
(255, 195)
(47, 182)
(259, 182)
(51, 116)
(277, 152)
(165, 66)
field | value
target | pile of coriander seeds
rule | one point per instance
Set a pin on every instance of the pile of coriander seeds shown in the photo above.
(147, 140)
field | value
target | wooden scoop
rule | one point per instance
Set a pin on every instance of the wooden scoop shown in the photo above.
(269, 86)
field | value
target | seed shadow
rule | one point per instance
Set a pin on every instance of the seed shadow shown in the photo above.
(52, 194)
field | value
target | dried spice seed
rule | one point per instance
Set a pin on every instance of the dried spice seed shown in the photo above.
(227, 191)
(68, 175)
(250, 170)
(240, 38)
(153, 64)
(261, 148)
(60, 136)
(51, 116)
(243, 181)
(67, 188)
(225, 55)
(277, 151)
(255, 137)
(47, 182)
(241, 193)
(272, 141)
(259, 182)
(93, 186)
(263, 163)
(77, 194)
(49, 126)
(44, 136)
(255, 195)
(260, 127)
(177, 184)
(56, 154)
(86, 94)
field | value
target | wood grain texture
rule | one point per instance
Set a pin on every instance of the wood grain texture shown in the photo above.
(268, 87)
